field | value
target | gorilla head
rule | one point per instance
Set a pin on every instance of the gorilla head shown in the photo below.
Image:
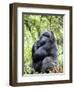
(49, 35)
(46, 37)
(44, 47)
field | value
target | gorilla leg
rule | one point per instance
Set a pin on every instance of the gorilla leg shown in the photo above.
(47, 64)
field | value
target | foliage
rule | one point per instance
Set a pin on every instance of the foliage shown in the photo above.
(34, 25)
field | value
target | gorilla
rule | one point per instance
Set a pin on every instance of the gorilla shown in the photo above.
(44, 52)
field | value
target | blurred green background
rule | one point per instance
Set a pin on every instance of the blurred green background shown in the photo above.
(34, 25)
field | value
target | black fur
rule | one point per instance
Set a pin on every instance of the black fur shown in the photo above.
(42, 52)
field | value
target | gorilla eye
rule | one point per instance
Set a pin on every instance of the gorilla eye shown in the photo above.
(48, 36)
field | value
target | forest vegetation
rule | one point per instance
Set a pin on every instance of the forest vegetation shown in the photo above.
(34, 25)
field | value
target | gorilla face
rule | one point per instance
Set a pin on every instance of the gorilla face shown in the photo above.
(46, 37)
(43, 48)
(49, 35)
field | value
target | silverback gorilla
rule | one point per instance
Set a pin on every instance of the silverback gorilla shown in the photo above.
(44, 53)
